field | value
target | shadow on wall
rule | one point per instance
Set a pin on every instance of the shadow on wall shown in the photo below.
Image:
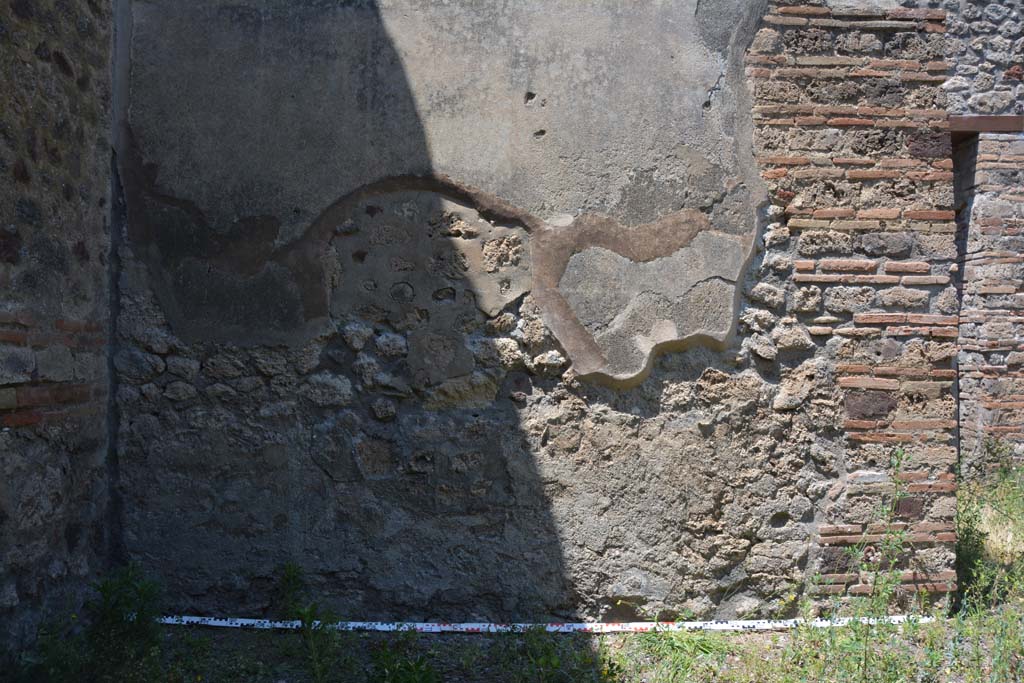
(336, 390)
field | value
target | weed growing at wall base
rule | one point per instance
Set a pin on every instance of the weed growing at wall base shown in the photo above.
(116, 638)
(990, 531)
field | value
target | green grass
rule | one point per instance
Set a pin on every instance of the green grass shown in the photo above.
(990, 528)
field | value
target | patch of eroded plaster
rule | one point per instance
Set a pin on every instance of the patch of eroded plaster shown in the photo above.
(686, 294)
(614, 296)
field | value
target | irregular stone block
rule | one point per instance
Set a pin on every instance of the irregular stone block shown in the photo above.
(325, 389)
(16, 364)
(137, 365)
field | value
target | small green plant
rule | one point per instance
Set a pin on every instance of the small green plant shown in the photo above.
(124, 615)
(398, 662)
(680, 655)
(542, 658)
(325, 654)
(321, 642)
(537, 656)
(291, 588)
(117, 640)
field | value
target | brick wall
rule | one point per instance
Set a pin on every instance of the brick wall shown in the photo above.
(991, 322)
(851, 131)
(54, 161)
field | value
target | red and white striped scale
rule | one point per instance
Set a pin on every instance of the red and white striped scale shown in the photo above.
(553, 627)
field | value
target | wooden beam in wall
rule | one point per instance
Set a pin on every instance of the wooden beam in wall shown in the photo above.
(986, 124)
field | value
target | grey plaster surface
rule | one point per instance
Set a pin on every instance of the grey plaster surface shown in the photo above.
(630, 308)
(247, 119)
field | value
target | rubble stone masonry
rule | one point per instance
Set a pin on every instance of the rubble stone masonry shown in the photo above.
(54, 244)
(987, 52)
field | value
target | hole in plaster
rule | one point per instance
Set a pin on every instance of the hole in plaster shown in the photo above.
(402, 291)
(445, 294)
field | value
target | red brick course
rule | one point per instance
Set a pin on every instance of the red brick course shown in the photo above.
(918, 415)
(991, 320)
